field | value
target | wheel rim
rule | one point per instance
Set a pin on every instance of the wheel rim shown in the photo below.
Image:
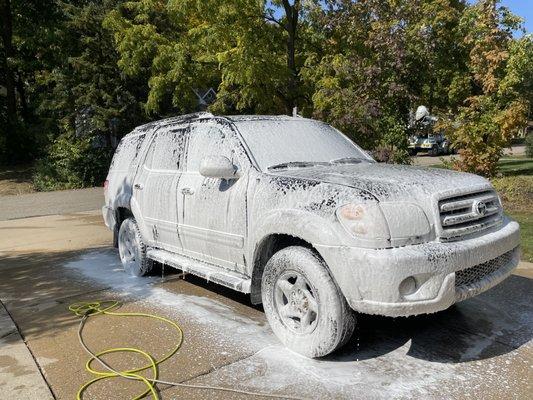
(295, 302)
(128, 249)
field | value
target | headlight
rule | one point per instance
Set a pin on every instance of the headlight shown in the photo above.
(381, 225)
(365, 221)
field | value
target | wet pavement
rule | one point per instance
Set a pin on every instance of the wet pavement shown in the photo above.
(481, 348)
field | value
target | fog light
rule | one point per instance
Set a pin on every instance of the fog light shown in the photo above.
(408, 286)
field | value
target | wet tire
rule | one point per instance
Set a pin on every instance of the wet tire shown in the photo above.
(132, 249)
(304, 306)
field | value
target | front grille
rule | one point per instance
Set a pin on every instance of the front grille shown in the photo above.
(469, 213)
(469, 276)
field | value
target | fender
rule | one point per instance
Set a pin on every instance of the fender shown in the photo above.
(304, 225)
(122, 200)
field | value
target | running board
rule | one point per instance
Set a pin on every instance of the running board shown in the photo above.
(231, 279)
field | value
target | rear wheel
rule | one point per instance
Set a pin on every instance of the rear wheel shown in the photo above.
(303, 304)
(132, 249)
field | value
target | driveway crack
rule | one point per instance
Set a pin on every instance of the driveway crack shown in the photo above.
(210, 371)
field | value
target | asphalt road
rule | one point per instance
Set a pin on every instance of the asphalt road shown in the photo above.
(480, 348)
(49, 203)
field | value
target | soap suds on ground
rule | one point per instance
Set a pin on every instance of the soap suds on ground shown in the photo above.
(406, 369)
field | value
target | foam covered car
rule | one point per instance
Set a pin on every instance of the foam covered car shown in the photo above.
(294, 213)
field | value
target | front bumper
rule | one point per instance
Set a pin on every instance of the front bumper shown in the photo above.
(370, 279)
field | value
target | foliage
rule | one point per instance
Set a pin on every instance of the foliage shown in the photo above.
(497, 106)
(393, 145)
(382, 59)
(91, 100)
(237, 47)
(72, 163)
(87, 71)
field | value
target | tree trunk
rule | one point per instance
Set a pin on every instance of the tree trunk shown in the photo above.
(22, 97)
(292, 13)
(7, 39)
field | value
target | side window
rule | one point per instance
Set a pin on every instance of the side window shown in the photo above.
(207, 139)
(127, 152)
(166, 151)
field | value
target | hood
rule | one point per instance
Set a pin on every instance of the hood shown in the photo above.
(389, 182)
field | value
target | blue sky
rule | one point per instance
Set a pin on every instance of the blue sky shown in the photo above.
(522, 8)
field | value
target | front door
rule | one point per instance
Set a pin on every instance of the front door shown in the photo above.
(155, 187)
(212, 224)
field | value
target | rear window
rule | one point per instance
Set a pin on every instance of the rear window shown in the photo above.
(127, 152)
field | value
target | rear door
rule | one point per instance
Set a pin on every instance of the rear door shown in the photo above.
(212, 221)
(155, 187)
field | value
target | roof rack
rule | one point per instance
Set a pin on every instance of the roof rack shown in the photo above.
(179, 118)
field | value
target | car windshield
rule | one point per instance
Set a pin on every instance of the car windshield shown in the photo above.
(286, 143)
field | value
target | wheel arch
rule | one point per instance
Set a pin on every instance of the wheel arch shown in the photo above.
(121, 213)
(266, 248)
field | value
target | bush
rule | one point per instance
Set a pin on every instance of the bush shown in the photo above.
(393, 145)
(529, 144)
(516, 192)
(72, 163)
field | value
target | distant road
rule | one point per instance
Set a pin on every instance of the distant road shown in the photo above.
(48, 203)
(425, 160)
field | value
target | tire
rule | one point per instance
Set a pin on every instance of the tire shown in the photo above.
(115, 236)
(304, 306)
(132, 249)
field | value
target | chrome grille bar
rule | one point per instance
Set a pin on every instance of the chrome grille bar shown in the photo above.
(468, 213)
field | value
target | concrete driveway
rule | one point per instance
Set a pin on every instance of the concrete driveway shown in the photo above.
(481, 348)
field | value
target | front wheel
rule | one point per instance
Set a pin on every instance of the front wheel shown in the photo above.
(303, 304)
(132, 249)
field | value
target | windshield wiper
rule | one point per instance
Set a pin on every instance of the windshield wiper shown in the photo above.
(346, 160)
(296, 164)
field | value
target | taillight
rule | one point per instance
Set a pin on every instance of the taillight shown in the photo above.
(106, 185)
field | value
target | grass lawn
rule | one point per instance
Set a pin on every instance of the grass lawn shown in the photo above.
(516, 190)
(525, 219)
(16, 180)
(513, 166)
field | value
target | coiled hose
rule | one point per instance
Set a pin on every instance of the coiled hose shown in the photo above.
(104, 307)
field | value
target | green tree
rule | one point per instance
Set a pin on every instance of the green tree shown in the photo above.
(238, 47)
(381, 60)
(27, 47)
(91, 101)
(498, 102)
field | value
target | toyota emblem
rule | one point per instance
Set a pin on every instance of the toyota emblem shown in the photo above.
(479, 208)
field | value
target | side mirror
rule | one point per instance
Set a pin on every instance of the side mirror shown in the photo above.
(218, 167)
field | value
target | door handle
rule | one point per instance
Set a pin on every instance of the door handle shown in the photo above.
(187, 190)
(138, 186)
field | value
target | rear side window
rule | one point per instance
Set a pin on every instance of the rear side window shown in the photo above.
(166, 151)
(127, 152)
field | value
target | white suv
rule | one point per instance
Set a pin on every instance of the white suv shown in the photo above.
(294, 213)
